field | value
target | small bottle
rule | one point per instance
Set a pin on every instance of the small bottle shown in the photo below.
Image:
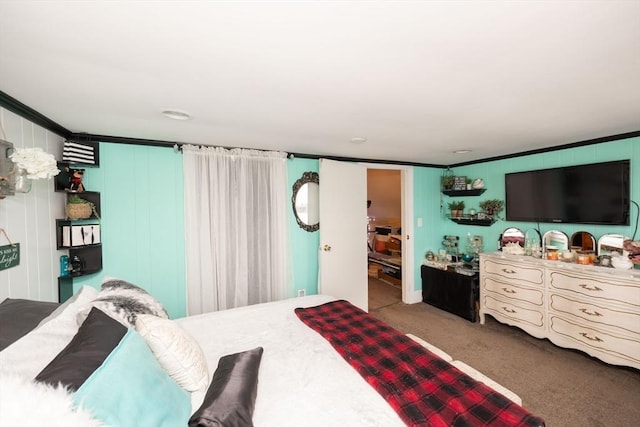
(64, 265)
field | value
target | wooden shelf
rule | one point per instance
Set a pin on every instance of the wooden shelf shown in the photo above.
(473, 221)
(474, 192)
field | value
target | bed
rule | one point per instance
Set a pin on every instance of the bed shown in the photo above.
(273, 364)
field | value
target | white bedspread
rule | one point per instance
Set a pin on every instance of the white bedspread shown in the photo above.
(303, 381)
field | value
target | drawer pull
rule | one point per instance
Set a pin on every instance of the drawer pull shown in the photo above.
(594, 338)
(509, 291)
(504, 270)
(590, 313)
(508, 310)
(586, 287)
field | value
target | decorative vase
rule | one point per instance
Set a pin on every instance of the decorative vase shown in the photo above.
(23, 182)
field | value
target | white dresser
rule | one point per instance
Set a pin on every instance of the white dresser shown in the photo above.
(593, 309)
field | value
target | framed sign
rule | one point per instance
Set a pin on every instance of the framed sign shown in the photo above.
(9, 256)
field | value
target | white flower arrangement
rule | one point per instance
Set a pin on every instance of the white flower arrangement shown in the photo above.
(36, 162)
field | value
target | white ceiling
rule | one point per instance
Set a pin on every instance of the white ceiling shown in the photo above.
(418, 79)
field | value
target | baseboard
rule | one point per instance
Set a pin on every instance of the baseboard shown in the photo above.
(413, 297)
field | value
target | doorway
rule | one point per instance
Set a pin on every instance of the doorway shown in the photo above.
(384, 236)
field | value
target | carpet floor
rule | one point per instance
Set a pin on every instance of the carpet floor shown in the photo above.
(565, 387)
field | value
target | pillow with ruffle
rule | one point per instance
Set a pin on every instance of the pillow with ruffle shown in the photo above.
(178, 353)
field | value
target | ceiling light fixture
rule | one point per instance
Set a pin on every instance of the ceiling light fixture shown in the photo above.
(176, 115)
(358, 140)
(461, 151)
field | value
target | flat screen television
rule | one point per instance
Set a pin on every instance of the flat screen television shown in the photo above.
(596, 193)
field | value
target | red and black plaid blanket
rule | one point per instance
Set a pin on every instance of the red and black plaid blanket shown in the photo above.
(421, 387)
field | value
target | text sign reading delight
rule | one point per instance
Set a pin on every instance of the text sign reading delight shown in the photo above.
(9, 256)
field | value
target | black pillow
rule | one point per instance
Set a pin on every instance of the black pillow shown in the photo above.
(20, 316)
(231, 396)
(94, 341)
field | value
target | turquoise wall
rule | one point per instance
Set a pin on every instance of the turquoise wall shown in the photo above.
(426, 205)
(143, 222)
(493, 175)
(141, 190)
(303, 244)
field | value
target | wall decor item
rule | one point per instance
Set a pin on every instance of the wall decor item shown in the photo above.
(9, 254)
(80, 235)
(305, 201)
(84, 152)
(459, 182)
(6, 166)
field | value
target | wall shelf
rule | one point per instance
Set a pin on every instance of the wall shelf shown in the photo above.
(473, 221)
(460, 193)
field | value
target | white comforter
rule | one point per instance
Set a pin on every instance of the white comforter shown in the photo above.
(303, 381)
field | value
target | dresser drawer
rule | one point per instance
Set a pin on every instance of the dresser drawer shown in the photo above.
(612, 348)
(513, 292)
(533, 276)
(626, 320)
(511, 312)
(599, 288)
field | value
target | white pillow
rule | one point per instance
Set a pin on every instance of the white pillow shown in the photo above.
(31, 353)
(177, 351)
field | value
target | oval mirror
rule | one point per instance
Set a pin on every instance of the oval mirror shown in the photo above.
(583, 241)
(512, 235)
(512, 241)
(557, 239)
(305, 201)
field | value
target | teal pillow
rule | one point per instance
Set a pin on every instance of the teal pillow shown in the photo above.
(131, 389)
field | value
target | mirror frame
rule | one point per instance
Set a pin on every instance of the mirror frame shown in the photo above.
(307, 178)
(512, 235)
(546, 237)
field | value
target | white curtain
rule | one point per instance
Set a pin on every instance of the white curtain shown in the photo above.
(236, 227)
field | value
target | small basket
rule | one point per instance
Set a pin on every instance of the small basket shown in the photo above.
(79, 210)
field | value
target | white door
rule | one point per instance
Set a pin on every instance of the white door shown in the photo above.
(343, 232)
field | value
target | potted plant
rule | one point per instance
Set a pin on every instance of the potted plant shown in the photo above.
(446, 181)
(79, 208)
(492, 207)
(456, 208)
(468, 181)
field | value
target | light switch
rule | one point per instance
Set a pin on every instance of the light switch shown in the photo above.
(419, 222)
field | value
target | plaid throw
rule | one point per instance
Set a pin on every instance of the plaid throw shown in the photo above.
(421, 387)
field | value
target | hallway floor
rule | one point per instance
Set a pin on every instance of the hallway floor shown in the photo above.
(383, 294)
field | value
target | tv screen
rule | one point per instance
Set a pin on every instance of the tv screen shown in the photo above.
(596, 193)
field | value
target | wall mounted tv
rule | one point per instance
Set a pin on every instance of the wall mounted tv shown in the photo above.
(596, 193)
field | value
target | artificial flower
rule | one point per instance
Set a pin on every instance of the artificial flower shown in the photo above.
(36, 162)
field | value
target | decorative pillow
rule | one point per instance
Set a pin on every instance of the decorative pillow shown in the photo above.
(31, 353)
(67, 303)
(231, 397)
(128, 387)
(131, 389)
(178, 353)
(27, 403)
(19, 316)
(124, 301)
(95, 340)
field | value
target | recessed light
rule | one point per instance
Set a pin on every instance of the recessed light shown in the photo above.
(176, 115)
(358, 140)
(461, 151)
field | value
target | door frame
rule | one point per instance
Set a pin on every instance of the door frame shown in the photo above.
(409, 294)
